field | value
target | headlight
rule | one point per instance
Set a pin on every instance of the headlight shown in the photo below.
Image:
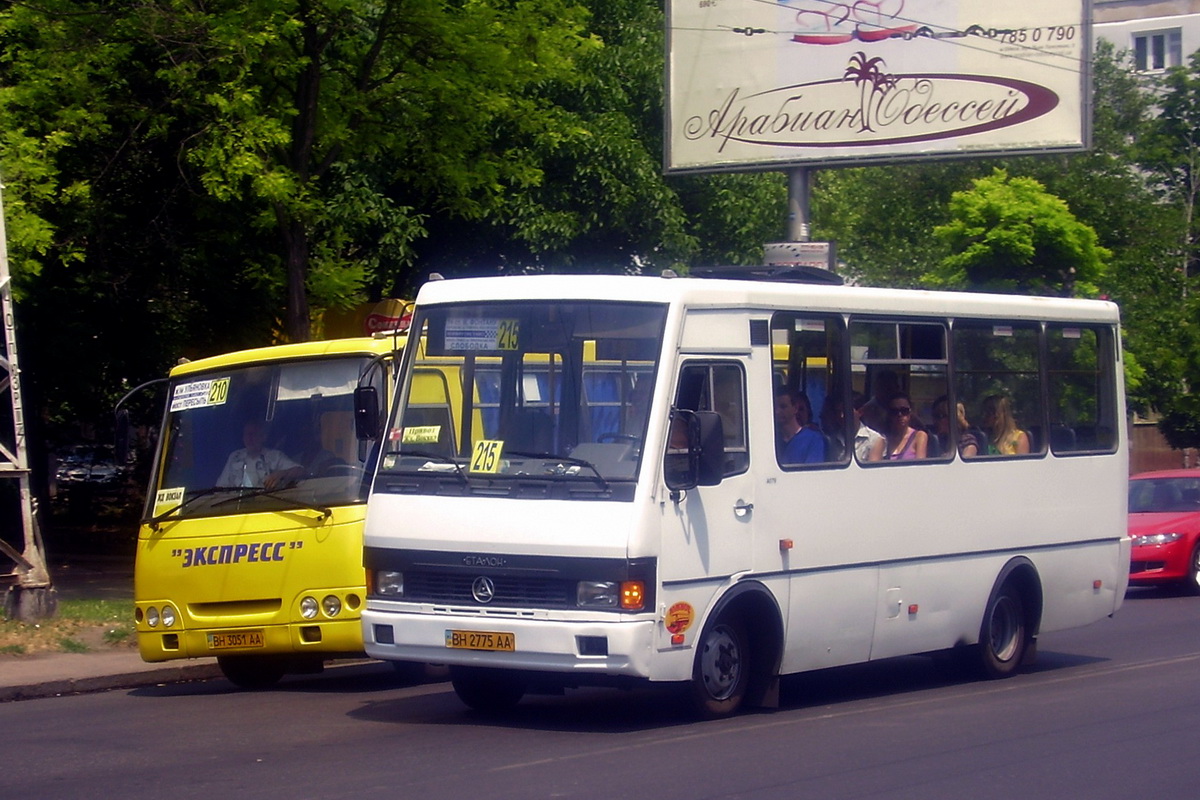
(152, 617)
(168, 616)
(308, 607)
(629, 595)
(331, 605)
(596, 594)
(389, 583)
(1157, 538)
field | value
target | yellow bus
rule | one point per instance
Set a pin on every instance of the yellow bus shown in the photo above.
(250, 547)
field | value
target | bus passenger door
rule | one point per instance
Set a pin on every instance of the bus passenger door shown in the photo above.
(708, 531)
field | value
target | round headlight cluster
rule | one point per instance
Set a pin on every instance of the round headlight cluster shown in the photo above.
(331, 605)
(166, 615)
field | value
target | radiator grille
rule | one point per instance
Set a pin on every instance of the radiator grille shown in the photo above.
(516, 592)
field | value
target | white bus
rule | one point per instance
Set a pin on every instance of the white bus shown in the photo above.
(602, 497)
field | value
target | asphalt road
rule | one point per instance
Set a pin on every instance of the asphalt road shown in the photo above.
(1110, 711)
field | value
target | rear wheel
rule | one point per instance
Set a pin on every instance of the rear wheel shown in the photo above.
(252, 672)
(487, 690)
(1002, 638)
(721, 670)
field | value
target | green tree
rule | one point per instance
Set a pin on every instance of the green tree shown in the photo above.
(882, 217)
(168, 166)
(333, 121)
(603, 203)
(1172, 150)
(1180, 423)
(1171, 155)
(1009, 234)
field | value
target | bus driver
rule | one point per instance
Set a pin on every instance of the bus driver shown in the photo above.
(257, 466)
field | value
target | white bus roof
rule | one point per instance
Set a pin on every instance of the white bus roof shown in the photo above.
(765, 295)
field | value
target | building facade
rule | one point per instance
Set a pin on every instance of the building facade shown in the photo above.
(1158, 34)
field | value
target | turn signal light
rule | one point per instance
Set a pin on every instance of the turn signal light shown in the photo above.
(633, 595)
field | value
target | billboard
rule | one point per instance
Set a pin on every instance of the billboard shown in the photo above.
(756, 84)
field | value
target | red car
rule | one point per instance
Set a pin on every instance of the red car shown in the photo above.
(1164, 523)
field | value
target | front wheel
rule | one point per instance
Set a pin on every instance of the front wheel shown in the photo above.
(1193, 579)
(488, 690)
(1002, 638)
(721, 671)
(252, 672)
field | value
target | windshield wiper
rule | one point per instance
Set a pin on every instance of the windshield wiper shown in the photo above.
(438, 457)
(246, 492)
(560, 469)
(154, 521)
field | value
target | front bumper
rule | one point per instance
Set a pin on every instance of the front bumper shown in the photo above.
(583, 647)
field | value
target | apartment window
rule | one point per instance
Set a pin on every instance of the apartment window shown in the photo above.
(1157, 50)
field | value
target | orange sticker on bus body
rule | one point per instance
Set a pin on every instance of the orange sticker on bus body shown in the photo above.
(680, 617)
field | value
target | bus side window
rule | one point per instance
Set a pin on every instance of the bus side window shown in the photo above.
(893, 357)
(1081, 388)
(997, 377)
(808, 366)
(719, 387)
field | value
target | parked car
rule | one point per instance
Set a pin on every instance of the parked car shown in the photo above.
(91, 464)
(1164, 523)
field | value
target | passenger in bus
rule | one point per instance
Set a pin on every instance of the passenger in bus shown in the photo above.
(257, 466)
(968, 442)
(868, 442)
(904, 442)
(797, 440)
(1005, 438)
(833, 426)
(875, 412)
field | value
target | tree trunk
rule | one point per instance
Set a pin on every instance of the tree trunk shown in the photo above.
(295, 244)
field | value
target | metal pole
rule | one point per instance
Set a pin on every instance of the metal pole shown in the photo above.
(33, 597)
(798, 204)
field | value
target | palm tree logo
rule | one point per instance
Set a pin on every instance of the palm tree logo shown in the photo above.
(872, 81)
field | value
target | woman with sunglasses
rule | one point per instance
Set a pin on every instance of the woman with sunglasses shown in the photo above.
(904, 442)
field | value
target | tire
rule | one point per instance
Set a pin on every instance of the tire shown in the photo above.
(721, 670)
(1003, 637)
(490, 691)
(252, 672)
(1192, 585)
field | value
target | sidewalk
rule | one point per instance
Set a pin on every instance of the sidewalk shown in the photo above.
(50, 674)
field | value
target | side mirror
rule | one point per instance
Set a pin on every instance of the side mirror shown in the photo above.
(695, 450)
(366, 413)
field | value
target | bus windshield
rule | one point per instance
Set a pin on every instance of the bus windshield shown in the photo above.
(264, 437)
(556, 401)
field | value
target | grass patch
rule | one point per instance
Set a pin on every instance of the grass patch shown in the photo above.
(116, 636)
(80, 626)
(97, 611)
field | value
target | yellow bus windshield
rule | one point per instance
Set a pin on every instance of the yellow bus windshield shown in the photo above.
(262, 437)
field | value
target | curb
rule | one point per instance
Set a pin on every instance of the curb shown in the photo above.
(180, 673)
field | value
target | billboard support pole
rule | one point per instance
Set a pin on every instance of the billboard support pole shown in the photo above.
(798, 201)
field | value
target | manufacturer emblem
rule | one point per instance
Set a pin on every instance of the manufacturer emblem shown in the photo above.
(483, 590)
